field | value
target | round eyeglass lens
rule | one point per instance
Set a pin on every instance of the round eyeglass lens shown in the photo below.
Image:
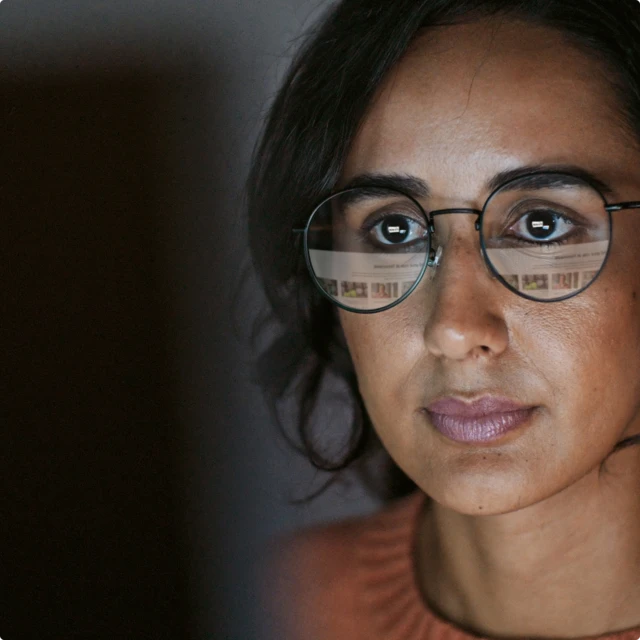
(546, 236)
(367, 248)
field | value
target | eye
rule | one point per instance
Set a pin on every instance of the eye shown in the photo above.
(542, 226)
(396, 229)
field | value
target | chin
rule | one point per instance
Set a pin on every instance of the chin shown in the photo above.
(481, 492)
(486, 505)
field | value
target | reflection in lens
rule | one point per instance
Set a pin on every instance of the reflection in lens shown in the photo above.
(549, 242)
(395, 229)
(541, 224)
(367, 247)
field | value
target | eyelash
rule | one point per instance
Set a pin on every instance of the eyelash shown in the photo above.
(370, 223)
(546, 243)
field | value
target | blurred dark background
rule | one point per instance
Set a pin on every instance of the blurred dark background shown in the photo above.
(140, 475)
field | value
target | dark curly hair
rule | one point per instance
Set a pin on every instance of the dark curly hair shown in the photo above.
(305, 368)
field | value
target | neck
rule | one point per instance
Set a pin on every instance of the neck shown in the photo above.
(566, 567)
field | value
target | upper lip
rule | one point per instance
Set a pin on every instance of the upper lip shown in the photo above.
(483, 406)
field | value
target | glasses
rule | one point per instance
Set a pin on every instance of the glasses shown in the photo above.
(545, 236)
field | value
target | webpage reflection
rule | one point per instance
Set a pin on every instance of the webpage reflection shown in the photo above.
(547, 271)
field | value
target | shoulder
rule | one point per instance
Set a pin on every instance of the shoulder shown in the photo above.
(308, 580)
(313, 578)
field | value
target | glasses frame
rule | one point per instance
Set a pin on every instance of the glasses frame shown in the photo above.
(433, 259)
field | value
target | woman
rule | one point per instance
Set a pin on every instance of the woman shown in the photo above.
(467, 145)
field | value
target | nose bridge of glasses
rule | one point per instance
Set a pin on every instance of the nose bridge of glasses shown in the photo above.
(456, 211)
(435, 259)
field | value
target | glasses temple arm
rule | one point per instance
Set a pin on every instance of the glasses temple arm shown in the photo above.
(622, 205)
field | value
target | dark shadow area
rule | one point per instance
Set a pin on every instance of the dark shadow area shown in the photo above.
(92, 531)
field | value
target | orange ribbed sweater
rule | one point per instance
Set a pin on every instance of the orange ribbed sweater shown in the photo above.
(355, 580)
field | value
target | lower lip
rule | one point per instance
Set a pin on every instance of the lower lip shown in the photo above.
(479, 429)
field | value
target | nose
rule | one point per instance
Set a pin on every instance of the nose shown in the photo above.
(466, 319)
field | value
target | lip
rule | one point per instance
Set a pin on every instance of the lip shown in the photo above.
(483, 420)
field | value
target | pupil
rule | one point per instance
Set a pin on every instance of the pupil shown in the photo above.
(541, 224)
(395, 229)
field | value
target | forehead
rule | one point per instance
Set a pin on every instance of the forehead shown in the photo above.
(468, 101)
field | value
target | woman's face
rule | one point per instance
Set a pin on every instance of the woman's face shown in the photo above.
(466, 103)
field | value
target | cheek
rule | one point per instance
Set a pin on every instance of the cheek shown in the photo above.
(394, 371)
(588, 352)
(385, 349)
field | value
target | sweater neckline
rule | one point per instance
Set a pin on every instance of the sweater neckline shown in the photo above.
(392, 595)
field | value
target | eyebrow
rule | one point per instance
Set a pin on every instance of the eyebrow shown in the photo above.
(373, 184)
(376, 183)
(568, 172)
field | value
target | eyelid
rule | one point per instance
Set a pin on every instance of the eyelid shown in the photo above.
(562, 211)
(388, 210)
(375, 220)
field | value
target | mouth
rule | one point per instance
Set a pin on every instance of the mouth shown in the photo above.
(484, 420)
